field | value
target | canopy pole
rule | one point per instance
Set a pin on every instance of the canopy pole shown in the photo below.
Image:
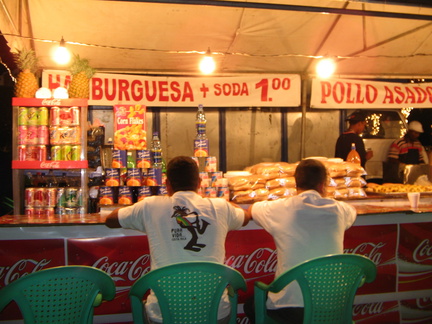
(304, 91)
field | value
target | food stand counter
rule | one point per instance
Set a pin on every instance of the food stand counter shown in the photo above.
(397, 239)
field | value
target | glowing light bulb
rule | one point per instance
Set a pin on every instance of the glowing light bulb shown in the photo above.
(325, 68)
(61, 54)
(207, 64)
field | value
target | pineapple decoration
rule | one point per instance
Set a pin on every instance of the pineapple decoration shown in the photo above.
(81, 75)
(26, 84)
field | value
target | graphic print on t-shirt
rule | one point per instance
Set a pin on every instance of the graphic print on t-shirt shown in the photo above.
(192, 222)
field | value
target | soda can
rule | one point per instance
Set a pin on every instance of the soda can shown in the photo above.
(112, 177)
(75, 135)
(32, 133)
(133, 177)
(125, 196)
(201, 147)
(29, 197)
(66, 152)
(39, 197)
(49, 211)
(22, 152)
(65, 116)
(210, 164)
(75, 115)
(55, 116)
(22, 116)
(51, 197)
(143, 159)
(216, 176)
(210, 192)
(55, 135)
(29, 211)
(223, 192)
(106, 195)
(205, 183)
(154, 177)
(32, 153)
(22, 134)
(41, 152)
(60, 198)
(56, 153)
(143, 191)
(43, 135)
(43, 116)
(119, 158)
(204, 175)
(33, 118)
(75, 152)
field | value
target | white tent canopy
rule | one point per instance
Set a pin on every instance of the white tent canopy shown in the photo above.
(368, 40)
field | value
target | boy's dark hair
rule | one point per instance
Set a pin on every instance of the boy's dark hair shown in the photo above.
(183, 174)
(310, 174)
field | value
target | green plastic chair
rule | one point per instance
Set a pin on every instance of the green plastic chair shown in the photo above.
(188, 292)
(328, 285)
(66, 294)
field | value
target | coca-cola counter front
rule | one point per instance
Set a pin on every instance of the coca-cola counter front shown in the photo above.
(396, 238)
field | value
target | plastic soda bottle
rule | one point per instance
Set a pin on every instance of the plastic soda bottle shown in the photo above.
(353, 155)
(155, 173)
(201, 143)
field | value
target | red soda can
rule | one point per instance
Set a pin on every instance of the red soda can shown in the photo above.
(55, 116)
(22, 134)
(55, 135)
(43, 135)
(65, 116)
(41, 152)
(22, 152)
(29, 211)
(43, 116)
(29, 198)
(39, 211)
(32, 133)
(49, 211)
(51, 197)
(39, 197)
(75, 115)
(56, 153)
(32, 153)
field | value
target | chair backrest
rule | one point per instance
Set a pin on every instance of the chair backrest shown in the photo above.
(65, 294)
(188, 292)
(328, 285)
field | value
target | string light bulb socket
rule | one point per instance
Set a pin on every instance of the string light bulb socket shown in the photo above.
(61, 54)
(207, 64)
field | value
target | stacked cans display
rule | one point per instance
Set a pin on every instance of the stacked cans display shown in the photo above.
(33, 133)
(213, 185)
(50, 201)
(39, 127)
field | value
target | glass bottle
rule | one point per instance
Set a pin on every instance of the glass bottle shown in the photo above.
(201, 143)
(353, 155)
(156, 151)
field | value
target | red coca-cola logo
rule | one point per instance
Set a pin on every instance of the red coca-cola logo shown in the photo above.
(368, 249)
(132, 269)
(20, 269)
(50, 165)
(424, 303)
(423, 251)
(262, 260)
(51, 102)
(368, 309)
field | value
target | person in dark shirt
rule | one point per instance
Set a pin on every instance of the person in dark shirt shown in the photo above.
(357, 123)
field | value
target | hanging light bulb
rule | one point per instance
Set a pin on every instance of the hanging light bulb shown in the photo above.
(325, 68)
(61, 54)
(207, 64)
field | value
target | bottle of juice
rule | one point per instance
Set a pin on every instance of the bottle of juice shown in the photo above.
(201, 143)
(353, 155)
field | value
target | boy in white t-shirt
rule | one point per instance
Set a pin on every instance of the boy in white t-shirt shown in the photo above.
(182, 226)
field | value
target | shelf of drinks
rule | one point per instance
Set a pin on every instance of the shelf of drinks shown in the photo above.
(29, 102)
(49, 164)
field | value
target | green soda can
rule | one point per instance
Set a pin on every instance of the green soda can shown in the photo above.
(56, 153)
(22, 116)
(33, 118)
(75, 152)
(66, 152)
(43, 116)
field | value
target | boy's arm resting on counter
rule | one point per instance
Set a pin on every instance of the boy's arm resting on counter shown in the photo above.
(247, 216)
(112, 220)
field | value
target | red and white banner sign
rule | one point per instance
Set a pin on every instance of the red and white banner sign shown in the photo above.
(347, 94)
(261, 90)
